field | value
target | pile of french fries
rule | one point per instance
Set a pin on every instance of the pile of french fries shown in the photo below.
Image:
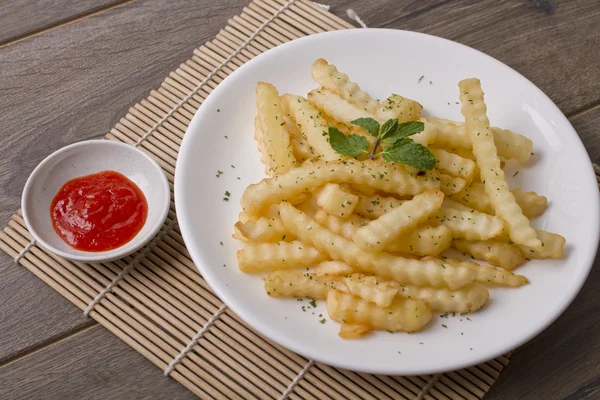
(368, 236)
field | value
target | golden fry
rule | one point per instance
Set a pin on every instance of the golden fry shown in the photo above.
(263, 229)
(496, 253)
(333, 268)
(474, 196)
(328, 76)
(335, 200)
(309, 121)
(400, 108)
(353, 331)
(379, 233)
(276, 139)
(485, 151)
(266, 257)
(374, 206)
(466, 299)
(454, 165)
(289, 283)
(392, 178)
(369, 288)
(510, 145)
(403, 315)
(404, 270)
(469, 225)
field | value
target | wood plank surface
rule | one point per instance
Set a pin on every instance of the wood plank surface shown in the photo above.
(553, 43)
(93, 364)
(31, 313)
(75, 81)
(20, 17)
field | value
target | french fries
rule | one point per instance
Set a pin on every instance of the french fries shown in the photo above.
(370, 289)
(423, 241)
(552, 246)
(454, 135)
(337, 107)
(377, 234)
(309, 118)
(289, 283)
(353, 331)
(404, 270)
(332, 268)
(374, 206)
(464, 300)
(469, 225)
(474, 196)
(403, 315)
(400, 108)
(275, 138)
(329, 77)
(427, 136)
(265, 257)
(263, 229)
(302, 150)
(284, 187)
(451, 185)
(504, 255)
(361, 228)
(335, 200)
(484, 149)
(454, 165)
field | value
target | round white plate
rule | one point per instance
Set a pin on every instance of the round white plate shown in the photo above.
(220, 138)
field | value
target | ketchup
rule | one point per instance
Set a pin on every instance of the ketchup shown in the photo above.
(98, 212)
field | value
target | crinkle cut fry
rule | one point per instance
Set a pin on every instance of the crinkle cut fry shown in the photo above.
(276, 138)
(429, 273)
(484, 149)
(328, 76)
(391, 178)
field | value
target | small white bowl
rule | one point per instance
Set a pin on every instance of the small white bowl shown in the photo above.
(86, 158)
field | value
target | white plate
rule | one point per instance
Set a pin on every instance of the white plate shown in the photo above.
(385, 61)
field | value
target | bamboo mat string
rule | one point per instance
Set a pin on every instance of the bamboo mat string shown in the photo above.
(296, 380)
(24, 251)
(215, 71)
(194, 340)
(323, 6)
(354, 17)
(130, 266)
(428, 386)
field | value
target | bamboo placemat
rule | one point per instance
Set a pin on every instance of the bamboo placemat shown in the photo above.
(158, 303)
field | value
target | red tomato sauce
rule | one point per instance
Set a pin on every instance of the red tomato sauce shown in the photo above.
(98, 212)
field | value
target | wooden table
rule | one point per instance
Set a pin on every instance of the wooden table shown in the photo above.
(69, 70)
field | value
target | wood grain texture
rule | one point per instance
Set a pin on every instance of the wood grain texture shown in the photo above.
(31, 313)
(19, 18)
(555, 47)
(70, 84)
(93, 364)
(74, 82)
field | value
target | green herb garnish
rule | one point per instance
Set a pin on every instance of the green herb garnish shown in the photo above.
(401, 149)
(351, 145)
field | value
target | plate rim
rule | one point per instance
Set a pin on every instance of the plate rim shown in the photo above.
(314, 355)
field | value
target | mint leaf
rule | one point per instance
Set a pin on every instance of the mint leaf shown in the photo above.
(368, 124)
(408, 152)
(351, 145)
(388, 128)
(404, 130)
